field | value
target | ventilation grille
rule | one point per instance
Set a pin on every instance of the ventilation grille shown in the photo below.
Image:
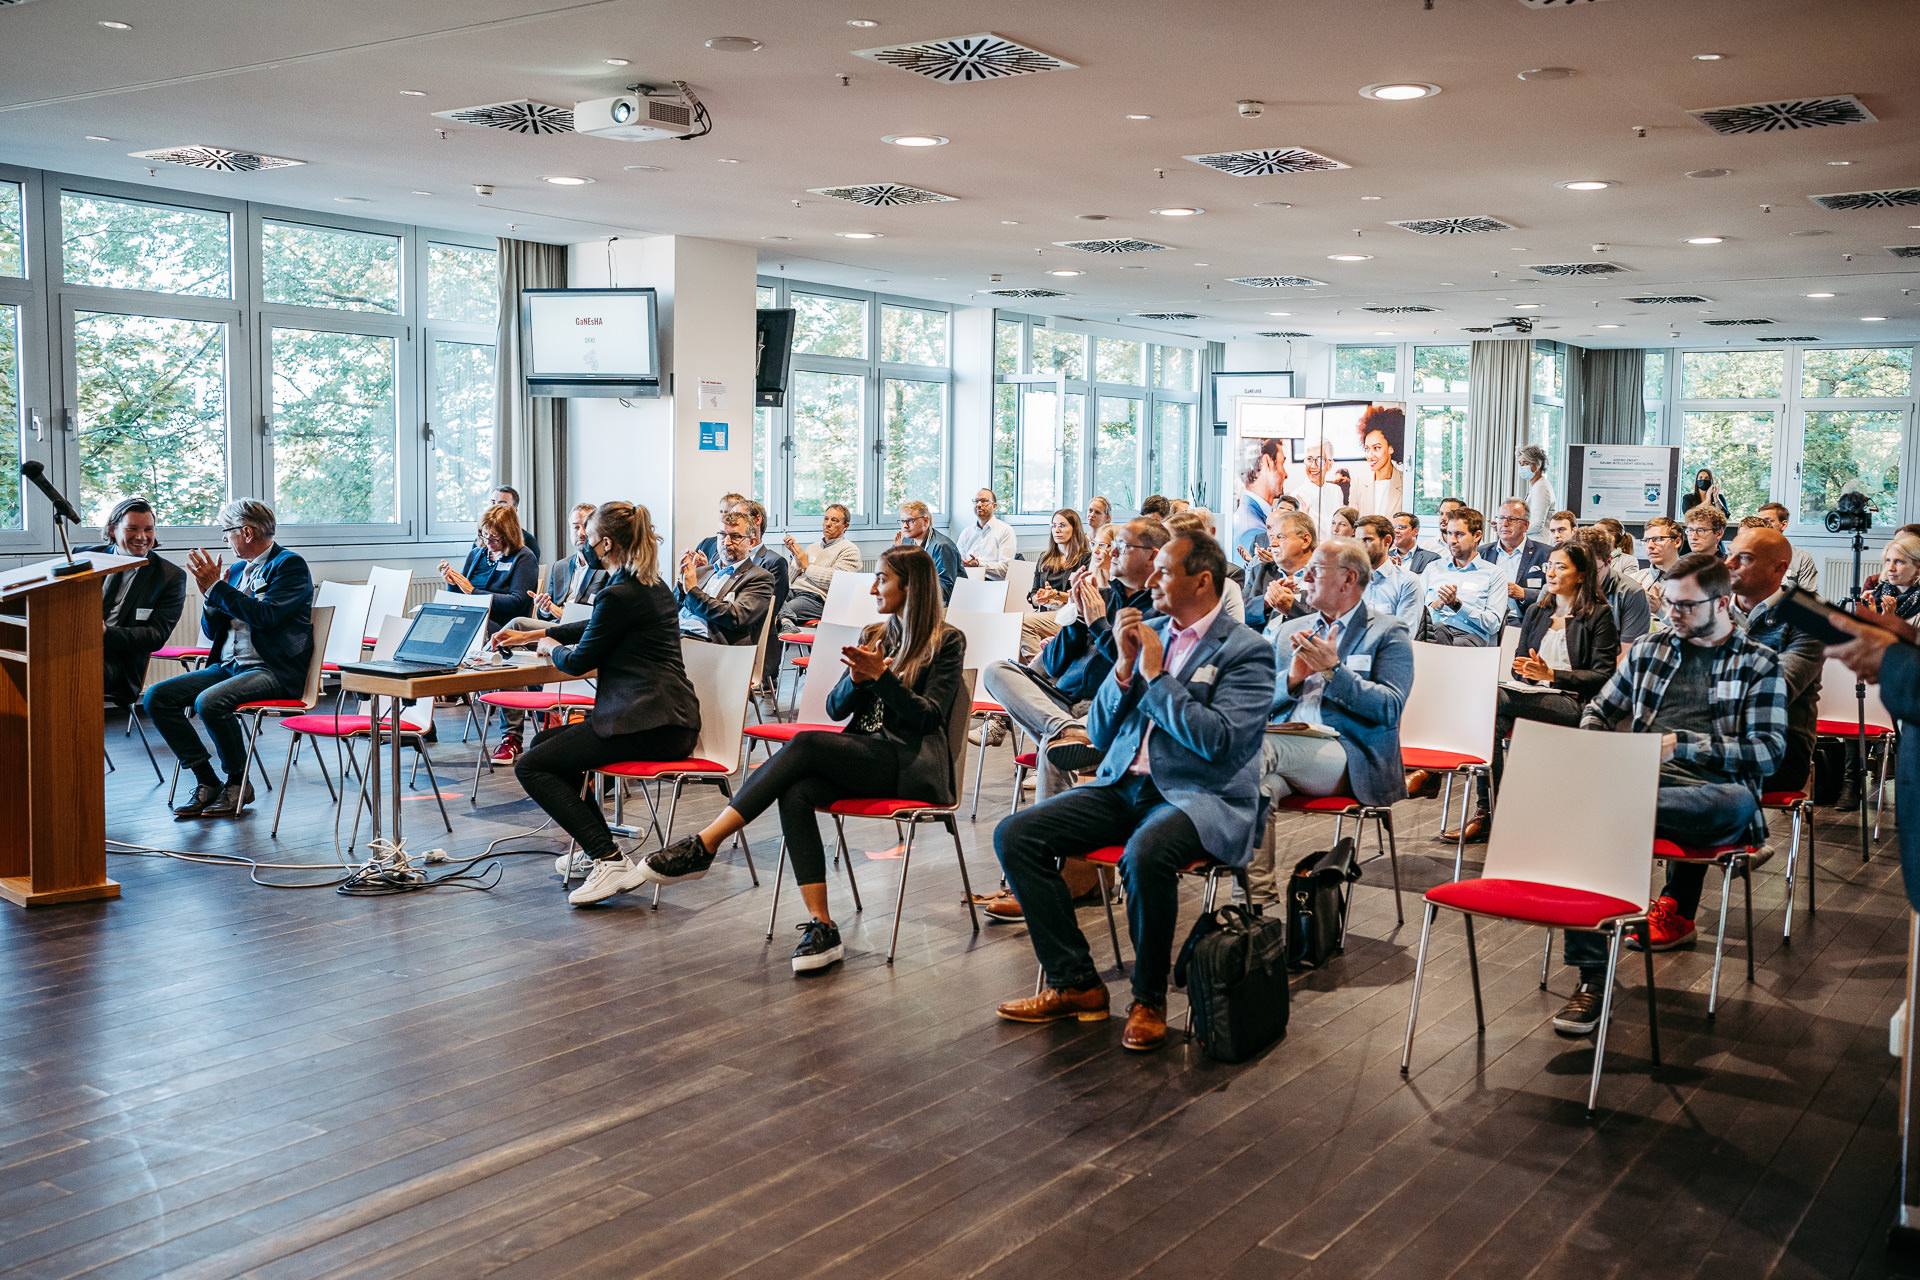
(1553, 4)
(1778, 117)
(962, 59)
(1733, 324)
(1904, 250)
(880, 194)
(1453, 226)
(1028, 293)
(217, 158)
(1798, 337)
(1282, 333)
(1277, 282)
(1121, 244)
(1398, 311)
(521, 116)
(1165, 315)
(1668, 300)
(1577, 269)
(1898, 198)
(1264, 163)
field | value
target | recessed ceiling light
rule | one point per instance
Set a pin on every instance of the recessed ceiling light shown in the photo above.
(1546, 73)
(1820, 295)
(1528, 306)
(915, 140)
(733, 44)
(1271, 204)
(1350, 257)
(94, 137)
(423, 193)
(1063, 271)
(858, 235)
(1177, 211)
(117, 26)
(413, 93)
(1137, 116)
(643, 168)
(1373, 197)
(1447, 283)
(1606, 326)
(1008, 222)
(351, 200)
(1519, 248)
(618, 62)
(1873, 319)
(1405, 91)
(1585, 184)
(862, 22)
(776, 237)
(1706, 239)
(567, 180)
(726, 160)
(1840, 163)
(1383, 333)
(1708, 57)
(1279, 313)
(1203, 264)
(1708, 173)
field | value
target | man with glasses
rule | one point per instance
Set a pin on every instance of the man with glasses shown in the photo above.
(988, 543)
(258, 615)
(1406, 550)
(1466, 593)
(916, 529)
(1802, 572)
(815, 565)
(1273, 589)
(1666, 543)
(725, 602)
(1705, 526)
(1524, 560)
(1717, 698)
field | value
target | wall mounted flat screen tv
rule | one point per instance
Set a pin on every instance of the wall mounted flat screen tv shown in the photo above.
(590, 342)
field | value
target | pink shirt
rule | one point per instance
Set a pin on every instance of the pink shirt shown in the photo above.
(1180, 647)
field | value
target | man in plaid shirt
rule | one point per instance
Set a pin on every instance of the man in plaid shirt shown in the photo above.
(1719, 702)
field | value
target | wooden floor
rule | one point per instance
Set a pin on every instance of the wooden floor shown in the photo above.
(211, 1078)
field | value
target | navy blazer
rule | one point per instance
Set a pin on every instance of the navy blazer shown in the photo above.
(1416, 562)
(1900, 695)
(632, 640)
(1204, 752)
(1593, 648)
(507, 585)
(946, 560)
(916, 718)
(279, 619)
(1531, 573)
(1362, 699)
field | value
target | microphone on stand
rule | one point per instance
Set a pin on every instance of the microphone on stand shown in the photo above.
(62, 510)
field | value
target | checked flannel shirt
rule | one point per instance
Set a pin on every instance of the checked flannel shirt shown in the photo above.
(1749, 698)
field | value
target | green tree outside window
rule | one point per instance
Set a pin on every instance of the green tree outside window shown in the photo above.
(1845, 445)
(334, 428)
(152, 414)
(1860, 371)
(322, 267)
(121, 244)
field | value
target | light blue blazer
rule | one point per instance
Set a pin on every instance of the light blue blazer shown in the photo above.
(1362, 699)
(1204, 753)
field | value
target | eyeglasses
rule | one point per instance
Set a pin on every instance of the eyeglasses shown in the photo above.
(234, 528)
(1660, 537)
(1678, 607)
(729, 536)
(1512, 520)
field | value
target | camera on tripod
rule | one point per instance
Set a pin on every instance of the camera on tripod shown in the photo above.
(1850, 514)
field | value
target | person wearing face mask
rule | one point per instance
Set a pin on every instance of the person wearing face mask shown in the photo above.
(1706, 491)
(575, 580)
(140, 608)
(988, 543)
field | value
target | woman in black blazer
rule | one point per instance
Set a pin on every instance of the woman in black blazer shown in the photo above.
(896, 694)
(644, 706)
(502, 567)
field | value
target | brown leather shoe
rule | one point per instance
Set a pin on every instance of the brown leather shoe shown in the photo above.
(1476, 831)
(1422, 785)
(1072, 752)
(1004, 908)
(1146, 1027)
(1088, 1004)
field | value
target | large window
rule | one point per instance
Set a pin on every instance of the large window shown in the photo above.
(1435, 393)
(13, 249)
(334, 431)
(866, 419)
(1547, 414)
(151, 400)
(1366, 371)
(322, 267)
(1653, 397)
(11, 419)
(122, 244)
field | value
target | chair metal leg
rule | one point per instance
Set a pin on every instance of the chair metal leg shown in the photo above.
(900, 900)
(1419, 972)
(1606, 1012)
(1880, 788)
(133, 722)
(978, 768)
(741, 836)
(1720, 943)
(174, 785)
(966, 882)
(1113, 930)
(253, 755)
(281, 803)
(773, 908)
(845, 853)
(1793, 866)
(1473, 968)
(420, 749)
(1746, 882)
(666, 837)
(1546, 958)
(320, 759)
(1381, 842)
(108, 757)
(481, 759)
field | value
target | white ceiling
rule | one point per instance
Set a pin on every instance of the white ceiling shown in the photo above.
(321, 83)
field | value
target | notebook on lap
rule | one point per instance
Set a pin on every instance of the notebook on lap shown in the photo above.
(436, 641)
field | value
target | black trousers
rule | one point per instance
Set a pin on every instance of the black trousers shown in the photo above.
(810, 773)
(555, 767)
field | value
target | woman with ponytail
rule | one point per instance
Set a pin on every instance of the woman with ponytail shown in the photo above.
(896, 693)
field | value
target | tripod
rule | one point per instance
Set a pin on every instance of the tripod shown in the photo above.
(1860, 699)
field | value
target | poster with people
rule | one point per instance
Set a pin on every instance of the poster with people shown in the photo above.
(1319, 456)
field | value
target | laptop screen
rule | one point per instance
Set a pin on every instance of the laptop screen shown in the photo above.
(441, 633)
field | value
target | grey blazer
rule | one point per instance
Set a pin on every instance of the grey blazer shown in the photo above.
(1362, 699)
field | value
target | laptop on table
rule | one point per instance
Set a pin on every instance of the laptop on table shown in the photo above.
(436, 642)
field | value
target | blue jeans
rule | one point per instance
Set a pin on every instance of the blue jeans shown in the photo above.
(1716, 813)
(1159, 840)
(212, 693)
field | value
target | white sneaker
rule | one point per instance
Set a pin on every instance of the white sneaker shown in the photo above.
(577, 865)
(607, 877)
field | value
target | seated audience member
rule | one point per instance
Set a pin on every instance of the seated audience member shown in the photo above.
(258, 615)
(1803, 573)
(1156, 506)
(139, 607)
(1569, 647)
(1467, 594)
(765, 556)
(1407, 551)
(1666, 543)
(897, 694)
(1391, 589)
(1757, 563)
(1346, 523)
(1067, 553)
(710, 546)
(570, 581)
(1718, 701)
(814, 566)
(1287, 502)
(1273, 589)
(1443, 513)
(988, 543)
(725, 602)
(1623, 560)
(508, 496)
(1560, 527)
(1705, 525)
(1178, 721)
(916, 529)
(1523, 558)
(1099, 515)
(644, 707)
(1632, 615)
(1754, 522)
(502, 567)
(1346, 667)
(1897, 590)
(1180, 506)
(1232, 595)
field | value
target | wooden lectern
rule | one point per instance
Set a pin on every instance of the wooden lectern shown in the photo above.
(53, 800)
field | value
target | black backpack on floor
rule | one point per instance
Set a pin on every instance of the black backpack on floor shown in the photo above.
(1234, 967)
(1317, 904)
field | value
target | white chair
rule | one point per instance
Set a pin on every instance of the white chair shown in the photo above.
(991, 637)
(977, 595)
(1509, 647)
(1020, 574)
(816, 683)
(1839, 717)
(1563, 853)
(850, 600)
(390, 587)
(353, 622)
(1447, 723)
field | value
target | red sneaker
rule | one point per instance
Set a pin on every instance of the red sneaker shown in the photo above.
(1670, 929)
(509, 748)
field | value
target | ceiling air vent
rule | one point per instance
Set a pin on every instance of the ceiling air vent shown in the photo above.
(1904, 250)
(1577, 269)
(520, 116)
(1453, 226)
(1778, 117)
(962, 59)
(1282, 333)
(1121, 244)
(881, 194)
(1478, 328)
(1266, 162)
(1668, 300)
(1398, 311)
(1798, 337)
(1028, 293)
(216, 158)
(1277, 282)
(1899, 197)
(1165, 315)
(1733, 324)
(1553, 4)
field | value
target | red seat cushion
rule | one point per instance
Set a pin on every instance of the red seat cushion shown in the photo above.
(801, 660)
(329, 666)
(786, 732)
(1847, 729)
(367, 642)
(796, 637)
(179, 651)
(1317, 804)
(1694, 852)
(878, 808)
(534, 699)
(1533, 902)
(654, 768)
(1419, 758)
(1027, 759)
(986, 706)
(324, 726)
(1781, 799)
(1106, 856)
(274, 704)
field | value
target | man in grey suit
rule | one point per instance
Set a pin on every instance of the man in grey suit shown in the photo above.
(1179, 718)
(725, 602)
(1346, 672)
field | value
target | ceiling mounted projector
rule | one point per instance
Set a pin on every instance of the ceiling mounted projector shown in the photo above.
(630, 118)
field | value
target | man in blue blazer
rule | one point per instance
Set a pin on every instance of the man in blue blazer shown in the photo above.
(258, 613)
(1524, 559)
(1180, 719)
(1346, 671)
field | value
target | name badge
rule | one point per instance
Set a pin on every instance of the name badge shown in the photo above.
(1204, 675)
(1361, 664)
(141, 615)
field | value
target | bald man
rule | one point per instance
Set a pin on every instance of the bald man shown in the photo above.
(1759, 560)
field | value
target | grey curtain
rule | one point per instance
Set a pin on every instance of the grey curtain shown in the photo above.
(1610, 408)
(1499, 389)
(529, 436)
